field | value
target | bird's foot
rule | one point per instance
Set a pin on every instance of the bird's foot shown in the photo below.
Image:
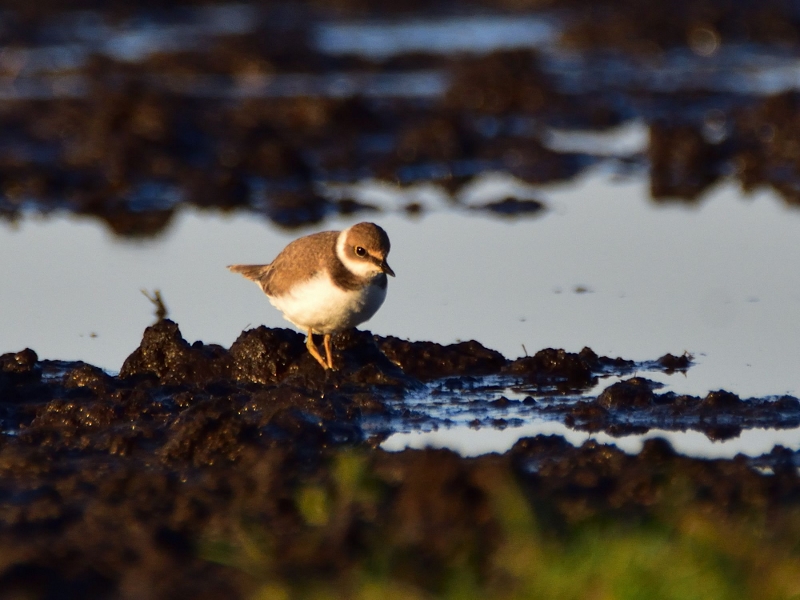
(312, 349)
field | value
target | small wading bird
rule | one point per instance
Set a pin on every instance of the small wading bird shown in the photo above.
(327, 282)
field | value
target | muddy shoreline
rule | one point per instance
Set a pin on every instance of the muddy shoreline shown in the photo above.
(201, 470)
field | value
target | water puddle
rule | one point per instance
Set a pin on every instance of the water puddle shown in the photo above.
(69, 39)
(415, 84)
(474, 34)
(629, 139)
(695, 286)
(479, 415)
(408, 84)
(601, 266)
(740, 70)
(470, 441)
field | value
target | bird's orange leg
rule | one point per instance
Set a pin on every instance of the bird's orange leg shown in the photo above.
(327, 342)
(314, 352)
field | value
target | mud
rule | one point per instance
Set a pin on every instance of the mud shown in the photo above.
(632, 406)
(639, 27)
(155, 482)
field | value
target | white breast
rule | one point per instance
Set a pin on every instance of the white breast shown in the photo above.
(320, 305)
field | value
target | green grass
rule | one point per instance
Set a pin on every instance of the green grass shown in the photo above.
(680, 549)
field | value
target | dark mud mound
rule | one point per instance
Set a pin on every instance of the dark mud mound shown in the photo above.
(633, 406)
(638, 26)
(428, 360)
(566, 371)
(196, 403)
(260, 356)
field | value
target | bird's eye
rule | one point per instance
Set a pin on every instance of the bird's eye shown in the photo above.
(360, 251)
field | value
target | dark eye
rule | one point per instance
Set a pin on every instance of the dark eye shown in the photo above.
(360, 251)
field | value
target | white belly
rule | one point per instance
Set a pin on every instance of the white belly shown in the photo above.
(319, 305)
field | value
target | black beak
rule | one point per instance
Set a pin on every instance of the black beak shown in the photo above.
(381, 264)
(386, 268)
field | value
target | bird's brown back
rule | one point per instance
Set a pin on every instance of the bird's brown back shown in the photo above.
(299, 261)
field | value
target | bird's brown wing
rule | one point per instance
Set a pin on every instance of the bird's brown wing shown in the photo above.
(299, 261)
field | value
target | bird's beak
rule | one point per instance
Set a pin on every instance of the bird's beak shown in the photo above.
(386, 268)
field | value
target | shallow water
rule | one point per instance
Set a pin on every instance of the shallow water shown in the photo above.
(470, 441)
(602, 267)
(443, 35)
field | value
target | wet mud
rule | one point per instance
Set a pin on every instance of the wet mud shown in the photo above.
(200, 470)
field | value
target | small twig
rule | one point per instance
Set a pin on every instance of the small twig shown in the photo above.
(161, 309)
(524, 350)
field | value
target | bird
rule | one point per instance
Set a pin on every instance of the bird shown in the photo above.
(327, 282)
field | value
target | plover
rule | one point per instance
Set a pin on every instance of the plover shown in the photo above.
(327, 282)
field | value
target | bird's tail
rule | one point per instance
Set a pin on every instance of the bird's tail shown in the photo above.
(253, 272)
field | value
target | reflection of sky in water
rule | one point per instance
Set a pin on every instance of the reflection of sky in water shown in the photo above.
(628, 139)
(474, 442)
(477, 34)
(718, 280)
(75, 35)
(411, 84)
(743, 69)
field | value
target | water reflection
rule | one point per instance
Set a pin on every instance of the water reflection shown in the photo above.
(717, 280)
(414, 84)
(476, 34)
(740, 70)
(469, 441)
(70, 38)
